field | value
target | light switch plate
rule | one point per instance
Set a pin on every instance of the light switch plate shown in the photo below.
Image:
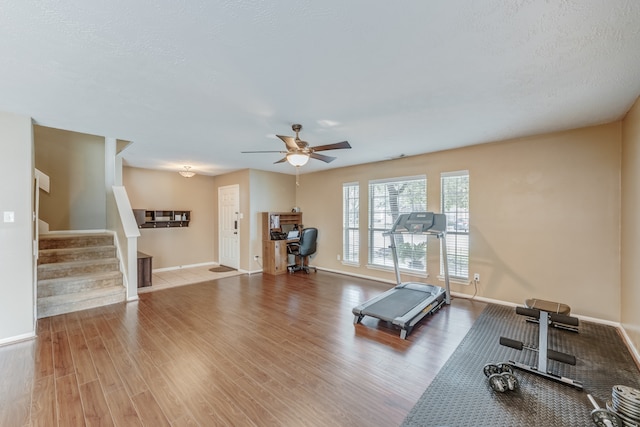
(9, 216)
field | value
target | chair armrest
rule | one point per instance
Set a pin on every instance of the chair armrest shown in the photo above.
(293, 246)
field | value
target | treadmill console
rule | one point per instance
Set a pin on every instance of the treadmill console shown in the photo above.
(420, 222)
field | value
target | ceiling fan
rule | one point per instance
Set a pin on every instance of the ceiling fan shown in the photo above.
(299, 152)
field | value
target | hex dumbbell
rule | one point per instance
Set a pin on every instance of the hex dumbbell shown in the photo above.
(501, 377)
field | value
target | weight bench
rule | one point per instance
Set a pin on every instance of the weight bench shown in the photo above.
(544, 319)
(550, 307)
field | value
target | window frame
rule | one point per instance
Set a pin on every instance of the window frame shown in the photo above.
(378, 254)
(351, 224)
(458, 226)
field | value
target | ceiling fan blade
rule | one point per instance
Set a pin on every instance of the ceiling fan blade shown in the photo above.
(282, 160)
(289, 141)
(336, 146)
(326, 159)
(279, 151)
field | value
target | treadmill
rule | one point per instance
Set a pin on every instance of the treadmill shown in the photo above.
(407, 303)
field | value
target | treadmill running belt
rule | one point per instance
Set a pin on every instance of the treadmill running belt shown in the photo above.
(396, 304)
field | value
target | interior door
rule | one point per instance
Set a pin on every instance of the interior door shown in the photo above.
(229, 225)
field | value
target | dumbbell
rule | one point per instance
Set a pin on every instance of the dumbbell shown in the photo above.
(603, 417)
(501, 377)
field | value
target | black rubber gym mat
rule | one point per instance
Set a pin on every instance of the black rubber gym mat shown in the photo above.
(460, 394)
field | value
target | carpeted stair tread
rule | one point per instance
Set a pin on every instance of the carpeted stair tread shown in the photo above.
(77, 271)
(57, 255)
(59, 304)
(82, 240)
(69, 285)
(73, 268)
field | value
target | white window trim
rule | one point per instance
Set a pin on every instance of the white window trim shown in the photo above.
(383, 181)
(464, 172)
(343, 261)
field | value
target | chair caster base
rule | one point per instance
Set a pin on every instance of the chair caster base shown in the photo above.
(294, 269)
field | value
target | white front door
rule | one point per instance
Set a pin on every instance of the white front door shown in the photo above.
(229, 225)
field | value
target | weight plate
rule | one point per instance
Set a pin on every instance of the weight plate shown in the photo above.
(600, 417)
(626, 421)
(505, 367)
(631, 405)
(624, 407)
(490, 369)
(511, 380)
(624, 410)
(626, 401)
(629, 394)
(498, 383)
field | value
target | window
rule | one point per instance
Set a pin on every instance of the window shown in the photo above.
(351, 222)
(455, 205)
(387, 200)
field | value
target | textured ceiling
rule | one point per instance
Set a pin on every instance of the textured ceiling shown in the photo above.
(198, 81)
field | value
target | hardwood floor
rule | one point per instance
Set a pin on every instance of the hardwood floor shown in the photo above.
(240, 351)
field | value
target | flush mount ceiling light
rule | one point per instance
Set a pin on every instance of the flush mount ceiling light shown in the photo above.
(186, 172)
(297, 159)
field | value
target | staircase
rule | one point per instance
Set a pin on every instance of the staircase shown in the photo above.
(77, 272)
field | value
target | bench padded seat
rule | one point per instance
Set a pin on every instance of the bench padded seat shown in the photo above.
(548, 306)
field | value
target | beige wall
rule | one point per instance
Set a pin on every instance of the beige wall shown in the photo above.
(630, 266)
(160, 190)
(269, 192)
(259, 192)
(544, 216)
(17, 317)
(75, 163)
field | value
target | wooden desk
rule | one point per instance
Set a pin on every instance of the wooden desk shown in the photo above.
(274, 252)
(274, 256)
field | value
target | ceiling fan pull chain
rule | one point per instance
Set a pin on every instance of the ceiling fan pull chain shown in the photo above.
(297, 170)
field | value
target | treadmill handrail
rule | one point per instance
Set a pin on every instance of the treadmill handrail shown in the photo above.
(437, 220)
(428, 233)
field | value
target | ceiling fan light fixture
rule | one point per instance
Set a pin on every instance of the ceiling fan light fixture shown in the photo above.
(297, 159)
(186, 172)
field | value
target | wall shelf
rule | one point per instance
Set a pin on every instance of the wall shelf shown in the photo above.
(161, 219)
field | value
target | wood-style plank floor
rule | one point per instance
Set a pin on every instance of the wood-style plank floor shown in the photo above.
(240, 351)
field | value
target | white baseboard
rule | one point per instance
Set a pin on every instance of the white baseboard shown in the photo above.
(483, 299)
(180, 267)
(634, 351)
(360, 276)
(18, 338)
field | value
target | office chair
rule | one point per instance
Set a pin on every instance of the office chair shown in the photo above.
(303, 249)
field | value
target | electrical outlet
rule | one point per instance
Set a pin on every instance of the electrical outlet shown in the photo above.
(255, 257)
(338, 257)
(476, 277)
